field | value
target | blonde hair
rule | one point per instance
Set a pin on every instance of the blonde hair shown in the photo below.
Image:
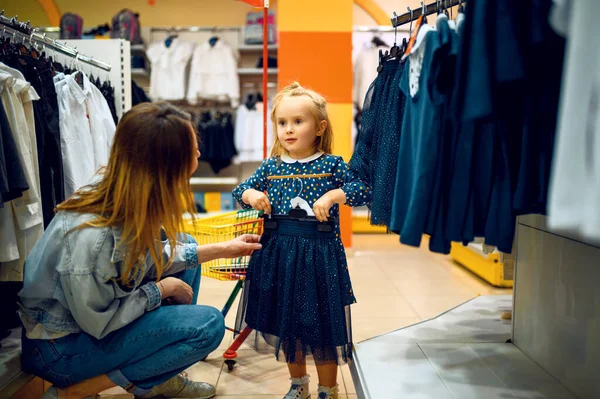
(146, 185)
(324, 143)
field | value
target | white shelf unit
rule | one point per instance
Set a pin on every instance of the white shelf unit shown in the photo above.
(117, 53)
(257, 71)
(214, 181)
(140, 72)
(257, 47)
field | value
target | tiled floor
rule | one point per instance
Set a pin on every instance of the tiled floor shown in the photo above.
(395, 286)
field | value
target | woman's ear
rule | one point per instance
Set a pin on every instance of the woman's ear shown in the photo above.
(322, 127)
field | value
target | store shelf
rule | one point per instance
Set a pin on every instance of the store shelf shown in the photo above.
(257, 71)
(139, 72)
(257, 47)
(214, 181)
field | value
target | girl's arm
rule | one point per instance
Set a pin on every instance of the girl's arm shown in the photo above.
(356, 192)
(257, 182)
(350, 190)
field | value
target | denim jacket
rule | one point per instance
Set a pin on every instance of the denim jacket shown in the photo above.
(71, 280)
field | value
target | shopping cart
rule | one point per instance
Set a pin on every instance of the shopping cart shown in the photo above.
(220, 228)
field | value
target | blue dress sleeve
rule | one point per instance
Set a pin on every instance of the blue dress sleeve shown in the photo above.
(258, 181)
(357, 192)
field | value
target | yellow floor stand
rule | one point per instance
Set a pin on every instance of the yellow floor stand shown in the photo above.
(495, 268)
(362, 225)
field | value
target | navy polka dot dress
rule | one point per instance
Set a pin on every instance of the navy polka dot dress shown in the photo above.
(297, 293)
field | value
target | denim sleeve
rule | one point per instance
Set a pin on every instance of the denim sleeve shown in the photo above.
(185, 256)
(258, 181)
(100, 307)
(357, 192)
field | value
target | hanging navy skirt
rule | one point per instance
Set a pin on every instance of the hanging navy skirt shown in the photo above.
(297, 294)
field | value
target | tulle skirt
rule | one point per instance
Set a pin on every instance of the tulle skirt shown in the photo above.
(297, 295)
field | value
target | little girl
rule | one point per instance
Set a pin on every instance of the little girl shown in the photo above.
(297, 293)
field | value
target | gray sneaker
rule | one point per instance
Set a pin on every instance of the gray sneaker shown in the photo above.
(181, 387)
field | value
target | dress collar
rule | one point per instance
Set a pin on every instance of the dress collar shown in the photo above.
(287, 159)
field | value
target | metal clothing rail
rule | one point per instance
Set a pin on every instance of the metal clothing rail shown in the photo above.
(428, 9)
(377, 29)
(25, 30)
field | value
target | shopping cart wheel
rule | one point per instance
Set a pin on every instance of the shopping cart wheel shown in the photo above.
(230, 364)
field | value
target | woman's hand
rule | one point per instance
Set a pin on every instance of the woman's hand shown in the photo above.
(257, 200)
(241, 246)
(176, 290)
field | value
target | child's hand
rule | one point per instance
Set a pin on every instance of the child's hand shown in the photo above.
(257, 200)
(322, 207)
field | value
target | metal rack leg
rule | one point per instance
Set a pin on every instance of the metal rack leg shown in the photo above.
(231, 353)
(232, 297)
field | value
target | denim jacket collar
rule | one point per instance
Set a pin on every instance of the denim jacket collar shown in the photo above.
(117, 255)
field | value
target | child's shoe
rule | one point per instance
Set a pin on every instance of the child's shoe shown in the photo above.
(299, 388)
(328, 392)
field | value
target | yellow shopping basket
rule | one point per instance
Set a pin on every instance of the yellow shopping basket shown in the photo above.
(221, 228)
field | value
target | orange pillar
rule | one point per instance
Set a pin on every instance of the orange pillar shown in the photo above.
(315, 49)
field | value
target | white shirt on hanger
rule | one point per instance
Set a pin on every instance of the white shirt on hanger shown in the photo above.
(574, 197)
(213, 74)
(86, 129)
(21, 219)
(168, 78)
(249, 133)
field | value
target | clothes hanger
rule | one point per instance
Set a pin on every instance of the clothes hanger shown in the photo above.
(395, 50)
(214, 38)
(171, 36)
(461, 8)
(413, 38)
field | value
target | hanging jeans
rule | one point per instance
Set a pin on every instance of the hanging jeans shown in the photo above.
(145, 353)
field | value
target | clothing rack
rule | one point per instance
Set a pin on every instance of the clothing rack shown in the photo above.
(24, 29)
(425, 10)
(377, 29)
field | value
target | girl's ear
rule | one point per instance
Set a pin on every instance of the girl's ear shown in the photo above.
(322, 127)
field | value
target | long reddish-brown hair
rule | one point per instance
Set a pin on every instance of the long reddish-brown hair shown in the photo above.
(145, 186)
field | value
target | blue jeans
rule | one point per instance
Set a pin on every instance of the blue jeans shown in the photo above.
(145, 353)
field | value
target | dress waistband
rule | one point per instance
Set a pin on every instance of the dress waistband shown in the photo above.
(300, 228)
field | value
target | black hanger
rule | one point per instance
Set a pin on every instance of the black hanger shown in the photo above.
(461, 8)
(170, 38)
(396, 51)
(213, 40)
(423, 12)
(298, 214)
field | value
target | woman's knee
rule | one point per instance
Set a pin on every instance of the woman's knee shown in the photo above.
(215, 329)
(210, 326)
